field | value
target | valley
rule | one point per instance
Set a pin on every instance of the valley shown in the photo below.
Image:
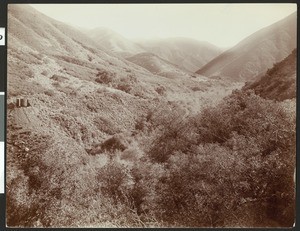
(127, 134)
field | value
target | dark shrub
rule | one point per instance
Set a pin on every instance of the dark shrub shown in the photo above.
(126, 87)
(104, 77)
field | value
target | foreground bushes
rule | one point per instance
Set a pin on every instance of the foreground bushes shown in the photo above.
(240, 156)
(230, 166)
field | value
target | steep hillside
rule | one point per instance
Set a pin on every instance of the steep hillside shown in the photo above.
(279, 82)
(64, 39)
(114, 42)
(256, 53)
(188, 54)
(51, 63)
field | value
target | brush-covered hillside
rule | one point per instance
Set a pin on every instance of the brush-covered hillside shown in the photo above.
(279, 82)
(256, 53)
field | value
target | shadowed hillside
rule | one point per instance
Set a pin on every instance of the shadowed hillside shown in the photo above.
(279, 82)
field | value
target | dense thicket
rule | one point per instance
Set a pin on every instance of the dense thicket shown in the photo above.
(230, 165)
(234, 166)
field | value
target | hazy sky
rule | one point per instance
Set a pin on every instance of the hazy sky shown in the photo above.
(221, 24)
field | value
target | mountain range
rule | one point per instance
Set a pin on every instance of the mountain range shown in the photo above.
(249, 58)
(186, 53)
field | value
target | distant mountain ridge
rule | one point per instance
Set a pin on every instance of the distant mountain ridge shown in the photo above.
(114, 42)
(188, 54)
(256, 53)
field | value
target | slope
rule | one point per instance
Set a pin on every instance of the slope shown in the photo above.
(279, 82)
(256, 53)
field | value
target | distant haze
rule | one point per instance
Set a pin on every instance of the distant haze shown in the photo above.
(223, 25)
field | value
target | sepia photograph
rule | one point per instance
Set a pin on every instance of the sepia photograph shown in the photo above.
(151, 115)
